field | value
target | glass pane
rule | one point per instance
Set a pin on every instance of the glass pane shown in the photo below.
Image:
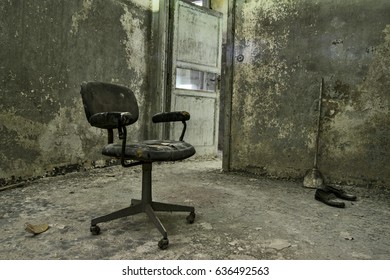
(197, 2)
(195, 80)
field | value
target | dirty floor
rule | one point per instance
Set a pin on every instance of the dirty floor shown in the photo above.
(239, 216)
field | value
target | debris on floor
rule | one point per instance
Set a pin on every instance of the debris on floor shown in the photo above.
(36, 229)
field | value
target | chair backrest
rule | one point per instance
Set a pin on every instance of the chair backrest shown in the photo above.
(99, 97)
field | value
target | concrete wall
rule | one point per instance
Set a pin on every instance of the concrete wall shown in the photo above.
(47, 48)
(287, 46)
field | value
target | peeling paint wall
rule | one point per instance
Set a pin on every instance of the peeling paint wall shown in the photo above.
(48, 48)
(286, 47)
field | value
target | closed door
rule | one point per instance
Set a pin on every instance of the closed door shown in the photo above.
(195, 74)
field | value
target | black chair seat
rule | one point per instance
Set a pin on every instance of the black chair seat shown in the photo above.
(152, 150)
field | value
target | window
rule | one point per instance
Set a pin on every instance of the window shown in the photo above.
(195, 80)
(204, 3)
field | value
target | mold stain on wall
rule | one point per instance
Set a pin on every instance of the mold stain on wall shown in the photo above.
(282, 49)
(48, 49)
(357, 117)
(263, 74)
(81, 15)
(135, 46)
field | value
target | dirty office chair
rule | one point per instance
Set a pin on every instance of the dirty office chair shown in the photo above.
(109, 106)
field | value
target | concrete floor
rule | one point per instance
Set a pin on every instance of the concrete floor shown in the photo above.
(239, 216)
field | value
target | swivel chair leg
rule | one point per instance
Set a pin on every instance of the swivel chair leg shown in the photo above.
(163, 243)
(128, 211)
(167, 207)
(147, 205)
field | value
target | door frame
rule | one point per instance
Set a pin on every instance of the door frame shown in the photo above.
(227, 83)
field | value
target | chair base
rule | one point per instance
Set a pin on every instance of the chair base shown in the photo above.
(146, 205)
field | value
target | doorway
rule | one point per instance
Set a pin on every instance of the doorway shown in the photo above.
(194, 71)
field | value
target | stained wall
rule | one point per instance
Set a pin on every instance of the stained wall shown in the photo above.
(282, 49)
(48, 48)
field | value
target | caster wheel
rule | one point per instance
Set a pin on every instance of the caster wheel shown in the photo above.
(95, 230)
(191, 218)
(163, 243)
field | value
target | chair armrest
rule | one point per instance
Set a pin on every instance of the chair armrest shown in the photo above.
(178, 116)
(110, 120)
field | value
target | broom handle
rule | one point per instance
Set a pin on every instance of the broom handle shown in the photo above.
(319, 122)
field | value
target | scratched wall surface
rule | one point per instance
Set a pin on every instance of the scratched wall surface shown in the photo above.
(48, 48)
(286, 47)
